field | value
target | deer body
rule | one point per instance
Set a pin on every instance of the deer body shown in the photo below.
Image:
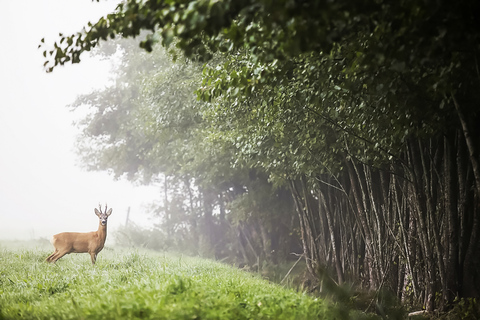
(76, 242)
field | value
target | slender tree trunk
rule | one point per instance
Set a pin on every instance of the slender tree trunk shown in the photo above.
(333, 239)
(451, 192)
(430, 185)
(420, 211)
(471, 145)
(470, 276)
(360, 201)
(304, 234)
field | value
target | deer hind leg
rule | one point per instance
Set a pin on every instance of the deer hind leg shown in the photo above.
(50, 257)
(58, 255)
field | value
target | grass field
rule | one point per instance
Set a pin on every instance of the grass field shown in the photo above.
(143, 285)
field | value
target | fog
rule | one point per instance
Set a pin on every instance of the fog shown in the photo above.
(43, 190)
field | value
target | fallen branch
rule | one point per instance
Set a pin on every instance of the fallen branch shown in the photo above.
(417, 313)
(288, 273)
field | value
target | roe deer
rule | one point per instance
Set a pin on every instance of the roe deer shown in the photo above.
(91, 242)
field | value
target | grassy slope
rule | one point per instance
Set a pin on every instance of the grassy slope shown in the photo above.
(146, 285)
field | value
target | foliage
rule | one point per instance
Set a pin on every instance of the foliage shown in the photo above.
(379, 72)
(357, 47)
(294, 66)
(465, 309)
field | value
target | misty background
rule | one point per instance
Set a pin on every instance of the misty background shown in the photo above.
(342, 148)
(43, 190)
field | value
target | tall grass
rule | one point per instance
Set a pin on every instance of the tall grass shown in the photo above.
(143, 285)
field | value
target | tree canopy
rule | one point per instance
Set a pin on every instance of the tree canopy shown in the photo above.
(402, 62)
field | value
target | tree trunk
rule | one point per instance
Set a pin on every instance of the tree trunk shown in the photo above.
(451, 192)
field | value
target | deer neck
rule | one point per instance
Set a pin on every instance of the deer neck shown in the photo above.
(102, 231)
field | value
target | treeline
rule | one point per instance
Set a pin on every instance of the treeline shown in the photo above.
(149, 127)
(352, 126)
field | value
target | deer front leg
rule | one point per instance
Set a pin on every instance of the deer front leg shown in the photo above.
(93, 256)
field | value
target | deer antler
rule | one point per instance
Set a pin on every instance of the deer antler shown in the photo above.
(105, 208)
(100, 207)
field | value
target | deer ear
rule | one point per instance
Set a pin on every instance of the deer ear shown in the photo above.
(109, 212)
(97, 212)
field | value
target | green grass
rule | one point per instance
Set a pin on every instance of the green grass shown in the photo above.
(143, 285)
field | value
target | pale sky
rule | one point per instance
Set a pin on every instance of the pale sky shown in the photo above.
(43, 191)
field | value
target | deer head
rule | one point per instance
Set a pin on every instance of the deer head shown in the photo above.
(103, 216)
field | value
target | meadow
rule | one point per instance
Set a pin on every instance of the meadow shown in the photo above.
(144, 285)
